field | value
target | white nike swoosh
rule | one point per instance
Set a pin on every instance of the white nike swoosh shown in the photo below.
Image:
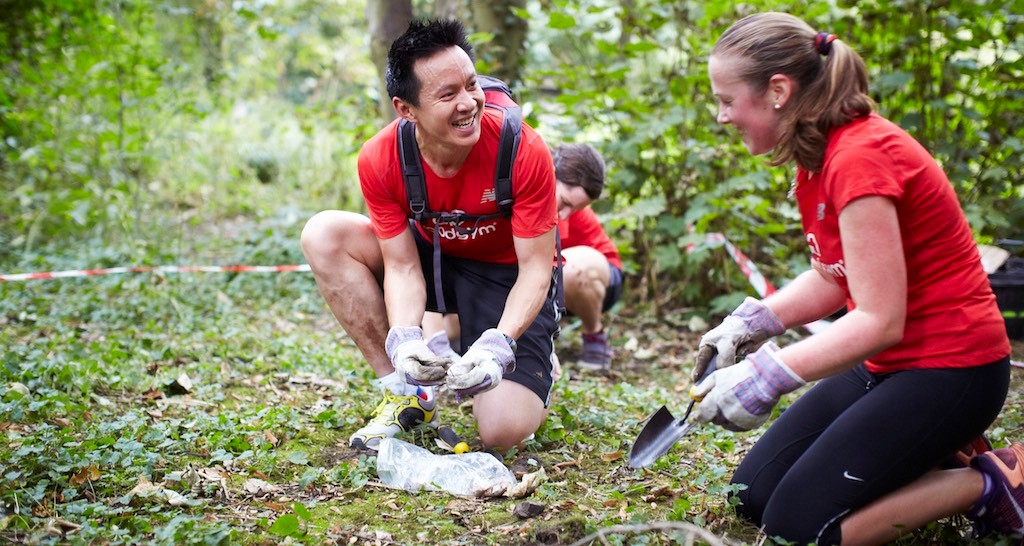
(847, 475)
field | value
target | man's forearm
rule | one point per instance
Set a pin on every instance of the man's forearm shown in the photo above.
(524, 301)
(405, 298)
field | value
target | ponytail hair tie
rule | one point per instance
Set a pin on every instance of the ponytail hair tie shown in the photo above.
(823, 43)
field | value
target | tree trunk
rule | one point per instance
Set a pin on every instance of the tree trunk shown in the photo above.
(387, 20)
(451, 9)
(503, 55)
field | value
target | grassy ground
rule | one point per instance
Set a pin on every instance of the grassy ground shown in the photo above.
(105, 441)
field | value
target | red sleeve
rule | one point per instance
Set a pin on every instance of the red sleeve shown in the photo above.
(380, 178)
(866, 164)
(584, 229)
(534, 211)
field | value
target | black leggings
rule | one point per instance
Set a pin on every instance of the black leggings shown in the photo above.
(855, 437)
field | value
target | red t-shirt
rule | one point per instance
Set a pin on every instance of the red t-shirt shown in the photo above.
(584, 229)
(952, 318)
(471, 190)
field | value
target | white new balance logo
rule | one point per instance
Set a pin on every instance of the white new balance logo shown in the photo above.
(488, 196)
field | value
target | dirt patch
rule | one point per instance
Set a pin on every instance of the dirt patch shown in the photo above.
(335, 455)
(564, 532)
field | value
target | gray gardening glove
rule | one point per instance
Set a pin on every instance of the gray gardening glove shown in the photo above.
(741, 397)
(483, 365)
(441, 347)
(738, 334)
(412, 358)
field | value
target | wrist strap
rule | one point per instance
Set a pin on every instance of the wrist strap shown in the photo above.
(775, 376)
(757, 316)
(399, 335)
(495, 342)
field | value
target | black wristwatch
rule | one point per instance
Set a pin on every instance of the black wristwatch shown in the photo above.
(511, 343)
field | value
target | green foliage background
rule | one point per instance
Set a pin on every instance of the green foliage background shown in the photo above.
(206, 131)
(129, 122)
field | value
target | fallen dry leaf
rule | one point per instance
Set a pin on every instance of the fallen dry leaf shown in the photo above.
(61, 527)
(88, 474)
(528, 509)
(174, 498)
(527, 486)
(613, 456)
(255, 486)
(144, 486)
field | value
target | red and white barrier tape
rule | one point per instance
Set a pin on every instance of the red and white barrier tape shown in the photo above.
(747, 266)
(155, 269)
(760, 284)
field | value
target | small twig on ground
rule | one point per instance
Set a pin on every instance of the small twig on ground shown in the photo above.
(661, 526)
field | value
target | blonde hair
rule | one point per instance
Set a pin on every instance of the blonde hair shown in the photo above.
(831, 80)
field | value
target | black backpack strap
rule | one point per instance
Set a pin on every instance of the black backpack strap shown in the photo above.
(489, 83)
(442, 307)
(416, 192)
(412, 170)
(508, 146)
(559, 274)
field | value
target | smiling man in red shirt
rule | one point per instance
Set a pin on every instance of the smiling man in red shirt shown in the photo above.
(495, 273)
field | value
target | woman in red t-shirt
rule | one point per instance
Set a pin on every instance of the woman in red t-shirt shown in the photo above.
(919, 365)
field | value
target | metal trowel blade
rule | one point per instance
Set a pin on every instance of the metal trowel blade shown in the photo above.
(660, 433)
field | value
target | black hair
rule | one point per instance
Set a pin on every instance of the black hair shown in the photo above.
(580, 165)
(422, 39)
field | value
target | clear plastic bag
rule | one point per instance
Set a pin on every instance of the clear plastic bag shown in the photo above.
(410, 467)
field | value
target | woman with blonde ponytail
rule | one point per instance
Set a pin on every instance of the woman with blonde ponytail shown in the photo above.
(891, 437)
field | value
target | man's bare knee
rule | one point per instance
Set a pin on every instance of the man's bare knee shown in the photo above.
(321, 229)
(331, 235)
(499, 426)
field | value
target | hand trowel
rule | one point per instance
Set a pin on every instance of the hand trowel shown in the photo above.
(663, 430)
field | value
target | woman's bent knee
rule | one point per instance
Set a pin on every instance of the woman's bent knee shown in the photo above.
(797, 525)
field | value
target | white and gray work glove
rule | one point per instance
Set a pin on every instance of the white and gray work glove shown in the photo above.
(441, 347)
(741, 397)
(483, 365)
(412, 358)
(741, 332)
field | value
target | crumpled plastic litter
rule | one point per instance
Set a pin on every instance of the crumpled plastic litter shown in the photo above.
(412, 468)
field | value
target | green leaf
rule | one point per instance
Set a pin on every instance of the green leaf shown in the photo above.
(481, 38)
(301, 511)
(286, 525)
(298, 457)
(561, 21)
(642, 47)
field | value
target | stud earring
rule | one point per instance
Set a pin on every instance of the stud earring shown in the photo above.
(777, 106)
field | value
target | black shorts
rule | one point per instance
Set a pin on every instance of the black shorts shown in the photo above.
(476, 292)
(614, 291)
(856, 437)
